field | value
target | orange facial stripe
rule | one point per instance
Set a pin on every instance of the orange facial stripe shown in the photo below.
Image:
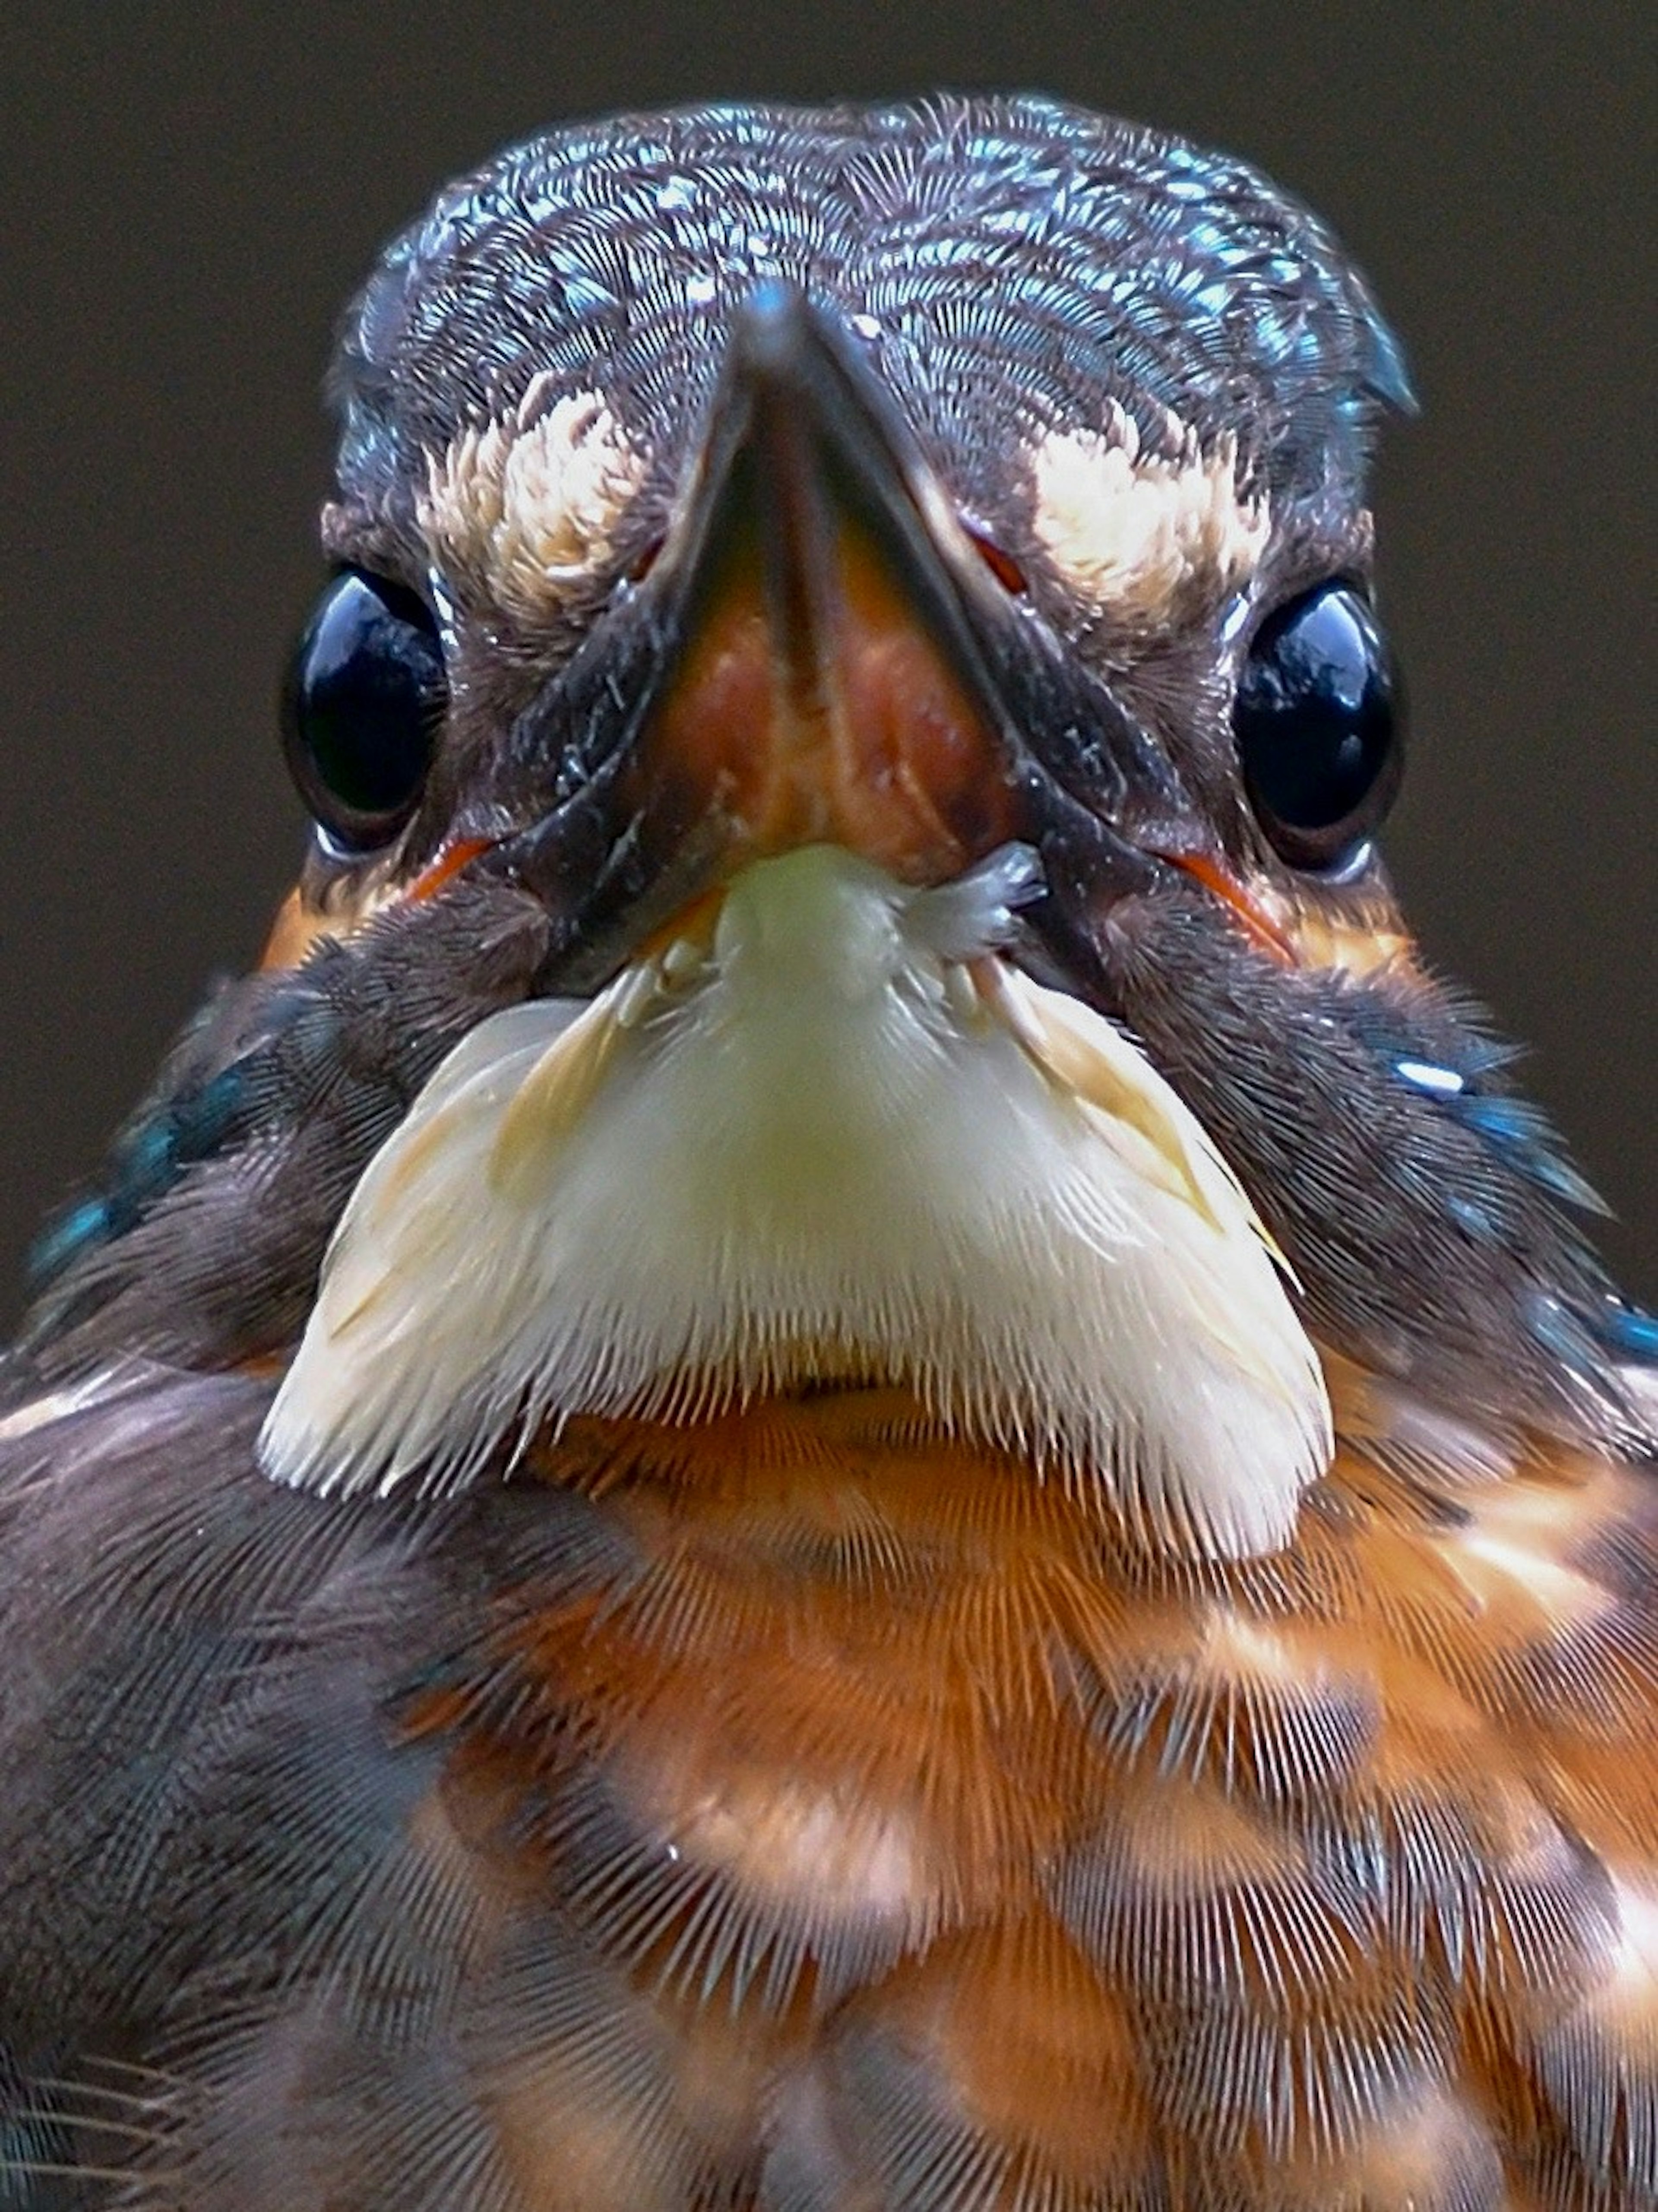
(293, 934)
(448, 862)
(1258, 923)
(298, 926)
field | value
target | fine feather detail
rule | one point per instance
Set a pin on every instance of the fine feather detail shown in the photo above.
(839, 1135)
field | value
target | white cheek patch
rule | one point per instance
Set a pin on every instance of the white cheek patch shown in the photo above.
(1136, 536)
(841, 1137)
(523, 510)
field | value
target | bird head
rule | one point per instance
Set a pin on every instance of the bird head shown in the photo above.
(847, 735)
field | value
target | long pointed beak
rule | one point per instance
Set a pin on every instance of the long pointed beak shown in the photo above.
(828, 686)
(820, 653)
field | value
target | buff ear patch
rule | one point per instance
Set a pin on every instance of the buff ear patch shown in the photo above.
(1136, 534)
(523, 510)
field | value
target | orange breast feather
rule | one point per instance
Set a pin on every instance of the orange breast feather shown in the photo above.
(911, 1822)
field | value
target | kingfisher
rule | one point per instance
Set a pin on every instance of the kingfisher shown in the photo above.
(843, 1452)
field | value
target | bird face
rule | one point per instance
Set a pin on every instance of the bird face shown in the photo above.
(842, 1338)
(764, 535)
(972, 498)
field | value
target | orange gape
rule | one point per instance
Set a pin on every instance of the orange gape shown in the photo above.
(934, 1832)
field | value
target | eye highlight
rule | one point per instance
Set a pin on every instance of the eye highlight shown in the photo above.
(1317, 719)
(361, 703)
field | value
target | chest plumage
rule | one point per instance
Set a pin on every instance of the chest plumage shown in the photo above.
(841, 1452)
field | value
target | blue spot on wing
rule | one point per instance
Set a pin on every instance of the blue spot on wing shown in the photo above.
(1522, 1134)
(1629, 1330)
(144, 1163)
(73, 1231)
(1581, 1335)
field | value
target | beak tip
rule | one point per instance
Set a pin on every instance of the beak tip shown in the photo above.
(773, 303)
(774, 332)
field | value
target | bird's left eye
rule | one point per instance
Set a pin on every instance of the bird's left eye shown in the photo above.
(1318, 725)
(361, 708)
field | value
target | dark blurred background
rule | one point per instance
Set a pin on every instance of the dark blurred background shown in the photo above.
(191, 190)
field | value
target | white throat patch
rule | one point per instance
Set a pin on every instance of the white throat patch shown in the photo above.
(835, 1135)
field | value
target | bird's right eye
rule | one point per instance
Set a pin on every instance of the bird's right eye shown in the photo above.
(1319, 727)
(363, 698)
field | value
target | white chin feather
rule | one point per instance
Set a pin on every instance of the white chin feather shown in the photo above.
(841, 1139)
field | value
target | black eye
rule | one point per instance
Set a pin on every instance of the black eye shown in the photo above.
(1319, 730)
(361, 708)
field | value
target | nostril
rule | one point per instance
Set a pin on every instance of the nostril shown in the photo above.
(645, 560)
(1001, 564)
